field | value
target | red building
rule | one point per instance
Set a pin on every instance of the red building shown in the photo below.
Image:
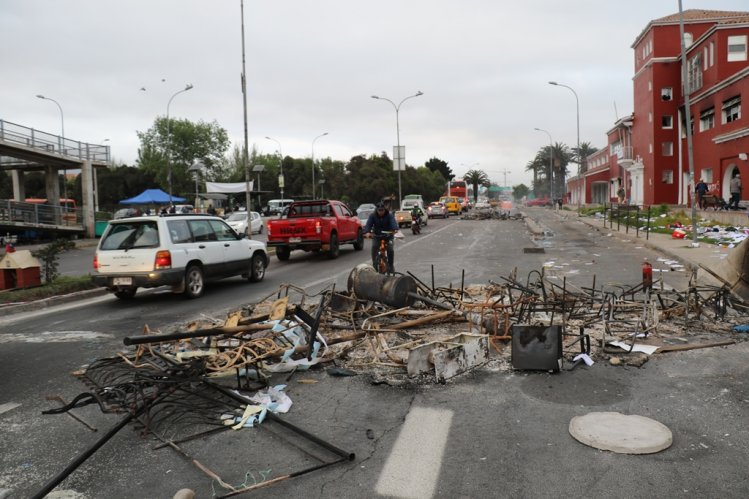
(648, 151)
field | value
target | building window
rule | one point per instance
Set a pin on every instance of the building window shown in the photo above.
(667, 148)
(694, 73)
(707, 175)
(650, 86)
(688, 39)
(737, 48)
(650, 148)
(667, 121)
(667, 177)
(712, 53)
(707, 119)
(667, 93)
(650, 117)
(731, 110)
(705, 58)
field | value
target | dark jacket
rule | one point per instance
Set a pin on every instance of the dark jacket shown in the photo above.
(377, 224)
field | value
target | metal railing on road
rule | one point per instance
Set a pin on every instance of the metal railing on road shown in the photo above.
(44, 142)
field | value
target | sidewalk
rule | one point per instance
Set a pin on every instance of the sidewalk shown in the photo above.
(693, 258)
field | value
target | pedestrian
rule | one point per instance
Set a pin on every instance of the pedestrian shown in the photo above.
(735, 192)
(621, 194)
(701, 190)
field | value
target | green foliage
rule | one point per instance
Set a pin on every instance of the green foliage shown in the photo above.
(184, 142)
(663, 209)
(61, 286)
(437, 165)
(520, 191)
(586, 149)
(48, 256)
(476, 178)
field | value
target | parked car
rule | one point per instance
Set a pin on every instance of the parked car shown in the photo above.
(238, 221)
(319, 225)
(366, 207)
(543, 201)
(181, 251)
(126, 213)
(276, 206)
(437, 209)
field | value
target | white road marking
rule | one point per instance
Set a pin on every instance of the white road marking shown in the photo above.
(334, 278)
(53, 337)
(9, 406)
(413, 467)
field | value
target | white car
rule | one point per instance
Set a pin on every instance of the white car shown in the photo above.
(238, 222)
(181, 251)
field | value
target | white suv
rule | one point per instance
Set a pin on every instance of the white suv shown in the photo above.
(182, 251)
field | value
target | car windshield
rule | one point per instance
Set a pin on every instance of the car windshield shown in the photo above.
(131, 235)
(237, 216)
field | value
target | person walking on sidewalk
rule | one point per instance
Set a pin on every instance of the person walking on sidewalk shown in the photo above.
(701, 190)
(735, 192)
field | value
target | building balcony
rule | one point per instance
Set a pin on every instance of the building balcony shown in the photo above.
(625, 157)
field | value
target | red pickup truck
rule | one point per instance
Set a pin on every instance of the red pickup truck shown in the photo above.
(318, 225)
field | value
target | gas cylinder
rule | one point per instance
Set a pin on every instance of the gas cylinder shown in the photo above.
(647, 276)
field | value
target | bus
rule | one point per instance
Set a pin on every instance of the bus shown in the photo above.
(457, 188)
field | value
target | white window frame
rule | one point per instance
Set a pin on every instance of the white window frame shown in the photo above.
(707, 175)
(667, 121)
(705, 59)
(667, 176)
(667, 148)
(737, 48)
(707, 119)
(712, 54)
(667, 93)
(731, 110)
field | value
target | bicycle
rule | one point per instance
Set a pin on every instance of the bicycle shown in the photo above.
(381, 258)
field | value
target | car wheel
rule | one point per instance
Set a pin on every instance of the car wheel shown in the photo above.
(125, 293)
(257, 268)
(194, 283)
(283, 253)
(359, 244)
(334, 249)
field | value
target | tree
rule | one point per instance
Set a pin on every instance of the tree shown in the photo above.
(560, 158)
(437, 165)
(520, 191)
(586, 149)
(183, 142)
(476, 178)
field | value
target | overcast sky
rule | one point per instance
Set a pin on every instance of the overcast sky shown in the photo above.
(312, 67)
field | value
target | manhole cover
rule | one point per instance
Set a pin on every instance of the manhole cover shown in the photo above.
(621, 433)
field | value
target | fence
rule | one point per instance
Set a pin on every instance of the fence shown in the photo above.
(13, 133)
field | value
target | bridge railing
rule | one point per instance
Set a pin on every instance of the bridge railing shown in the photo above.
(34, 214)
(53, 144)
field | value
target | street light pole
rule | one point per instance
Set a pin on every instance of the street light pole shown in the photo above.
(401, 160)
(280, 176)
(169, 138)
(61, 146)
(313, 162)
(577, 107)
(551, 167)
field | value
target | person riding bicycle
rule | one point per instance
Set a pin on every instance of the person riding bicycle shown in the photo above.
(417, 213)
(381, 220)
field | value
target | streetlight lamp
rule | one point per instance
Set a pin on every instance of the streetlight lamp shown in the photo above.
(399, 157)
(577, 107)
(60, 146)
(169, 138)
(551, 167)
(280, 175)
(313, 162)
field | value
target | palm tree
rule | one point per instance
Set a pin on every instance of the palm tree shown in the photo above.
(476, 177)
(586, 149)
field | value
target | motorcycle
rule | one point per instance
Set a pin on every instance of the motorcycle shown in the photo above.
(415, 224)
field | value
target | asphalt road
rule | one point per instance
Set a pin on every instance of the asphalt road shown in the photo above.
(489, 433)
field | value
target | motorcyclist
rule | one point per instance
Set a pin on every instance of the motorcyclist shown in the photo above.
(417, 213)
(381, 220)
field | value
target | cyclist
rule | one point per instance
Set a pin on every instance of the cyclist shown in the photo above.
(381, 220)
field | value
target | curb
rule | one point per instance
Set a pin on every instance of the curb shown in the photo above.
(51, 301)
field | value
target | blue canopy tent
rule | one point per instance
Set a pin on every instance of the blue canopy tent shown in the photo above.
(152, 196)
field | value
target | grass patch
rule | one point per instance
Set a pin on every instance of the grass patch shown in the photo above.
(60, 286)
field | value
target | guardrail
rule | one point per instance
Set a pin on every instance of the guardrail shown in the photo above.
(39, 215)
(13, 133)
